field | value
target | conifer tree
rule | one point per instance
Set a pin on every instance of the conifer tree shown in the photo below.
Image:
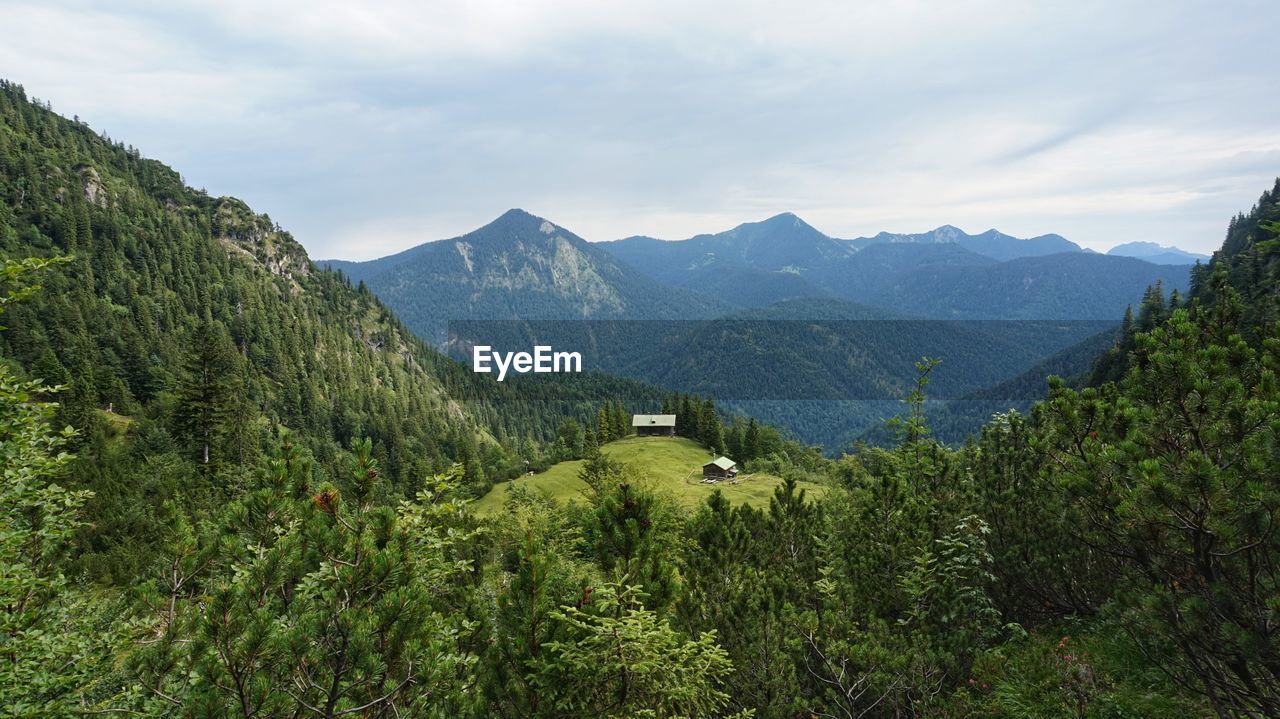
(630, 533)
(621, 420)
(604, 424)
(711, 429)
(751, 441)
(621, 659)
(206, 398)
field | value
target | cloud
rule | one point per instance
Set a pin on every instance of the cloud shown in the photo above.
(368, 127)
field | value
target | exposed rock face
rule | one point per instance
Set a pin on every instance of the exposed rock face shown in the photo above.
(260, 240)
(94, 191)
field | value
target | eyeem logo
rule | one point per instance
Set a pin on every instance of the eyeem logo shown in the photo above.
(542, 360)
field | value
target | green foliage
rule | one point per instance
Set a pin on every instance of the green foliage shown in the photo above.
(622, 660)
(1080, 671)
(326, 605)
(204, 325)
(545, 577)
(50, 650)
(631, 535)
(1175, 477)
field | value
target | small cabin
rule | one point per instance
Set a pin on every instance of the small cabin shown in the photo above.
(719, 468)
(654, 425)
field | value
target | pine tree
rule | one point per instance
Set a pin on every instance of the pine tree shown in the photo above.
(630, 537)
(543, 581)
(1172, 472)
(604, 425)
(711, 429)
(206, 398)
(621, 420)
(50, 371)
(622, 659)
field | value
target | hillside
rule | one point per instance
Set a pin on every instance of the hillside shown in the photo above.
(670, 465)
(825, 377)
(203, 328)
(1075, 285)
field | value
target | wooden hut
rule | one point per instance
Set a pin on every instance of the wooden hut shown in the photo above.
(654, 425)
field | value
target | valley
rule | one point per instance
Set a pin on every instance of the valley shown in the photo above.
(240, 483)
(821, 319)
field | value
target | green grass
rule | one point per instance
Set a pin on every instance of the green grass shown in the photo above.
(672, 465)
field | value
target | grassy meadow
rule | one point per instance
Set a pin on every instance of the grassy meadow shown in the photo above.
(672, 465)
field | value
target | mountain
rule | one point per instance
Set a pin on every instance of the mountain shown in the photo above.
(1157, 254)
(519, 267)
(752, 265)
(992, 243)
(193, 335)
(879, 273)
(782, 243)
(944, 273)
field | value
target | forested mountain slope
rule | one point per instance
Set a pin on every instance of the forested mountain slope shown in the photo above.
(1250, 259)
(197, 327)
(1075, 285)
(1248, 263)
(164, 277)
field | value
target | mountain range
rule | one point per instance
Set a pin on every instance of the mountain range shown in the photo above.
(523, 266)
(992, 243)
(941, 274)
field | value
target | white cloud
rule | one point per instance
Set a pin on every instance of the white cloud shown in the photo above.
(369, 127)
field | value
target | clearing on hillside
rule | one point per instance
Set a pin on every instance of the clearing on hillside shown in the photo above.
(671, 464)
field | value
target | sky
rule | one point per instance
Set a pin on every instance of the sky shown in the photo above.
(369, 127)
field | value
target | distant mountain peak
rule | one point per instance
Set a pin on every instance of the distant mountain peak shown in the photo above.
(1143, 245)
(517, 224)
(1157, 253)
(518, 216)
(780, 222)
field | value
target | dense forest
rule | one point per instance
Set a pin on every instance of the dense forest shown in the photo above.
(258, 507)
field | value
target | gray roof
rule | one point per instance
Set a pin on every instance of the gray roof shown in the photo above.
(653, 420)
(722, 463)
